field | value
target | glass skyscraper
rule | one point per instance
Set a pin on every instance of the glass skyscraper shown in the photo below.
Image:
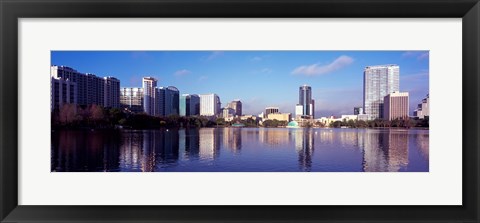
(171, 101)
(189, 104)
(378, 82)
(305, 100)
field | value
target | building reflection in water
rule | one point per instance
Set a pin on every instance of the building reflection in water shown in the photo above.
(209, 143)
(149, 150)
(422, 143)
(72, 153)
(131, 150)
(189, 140)
(232, 139)
(304, 145)
(376, 150)
(384, 151)
(274, 137)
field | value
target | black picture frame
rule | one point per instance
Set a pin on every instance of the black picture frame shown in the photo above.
(11, 11)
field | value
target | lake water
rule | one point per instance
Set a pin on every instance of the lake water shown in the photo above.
(241, 150)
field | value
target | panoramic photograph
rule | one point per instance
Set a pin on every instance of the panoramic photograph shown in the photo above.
(239, 111)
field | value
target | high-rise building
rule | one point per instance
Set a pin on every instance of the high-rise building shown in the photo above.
(271, 110)
(194, 105)
(312, 108)
(131, 99)
(423, 109)
(305, 99)
(112, 92)
(171, 101)
(209, 104)
(90, 89)
(378, 82)
(62, 91)
(237, 106)
(396, 106)
(189, 105)
(95, 90)
(73, 75)
(159, 101)
(149, 90)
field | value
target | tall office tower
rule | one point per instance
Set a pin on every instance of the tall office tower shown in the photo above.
(423, 109)
(395, 106)
(62, 91)
(209, 104)
(189, 105)
(112, 92)
(194, 105)
(184, 100)
(159, 101)
(378, 82)
(131, 99)
(149, 84)
(237, 106)
(305, 99)
(271, 110)
(312, 108)
(171, 101)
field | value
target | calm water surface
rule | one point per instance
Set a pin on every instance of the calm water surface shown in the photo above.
(241, 150)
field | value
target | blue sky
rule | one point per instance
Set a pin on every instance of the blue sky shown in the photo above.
(258, 78)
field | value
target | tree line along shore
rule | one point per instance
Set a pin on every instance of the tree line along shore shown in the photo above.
(71, 116)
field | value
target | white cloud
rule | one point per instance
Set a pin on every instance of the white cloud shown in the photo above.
(266, 70)
(183, 72)
(202, 78)
(317, 69)
(419, 55)
(423, 56)
(214, 55)
(257, 59)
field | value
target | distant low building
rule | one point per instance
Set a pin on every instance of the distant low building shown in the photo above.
(327, 121)
(349, 117)
(271, 110)
(245, 117)
(358, 110)
(362, 117)
(280, 116)
(423, 109)
(228, 113)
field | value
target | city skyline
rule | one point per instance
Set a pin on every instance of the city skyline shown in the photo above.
(336, 77)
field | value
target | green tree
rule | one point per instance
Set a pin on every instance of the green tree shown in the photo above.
(220, 121)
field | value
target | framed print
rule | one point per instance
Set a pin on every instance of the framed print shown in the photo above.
(204, 111)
